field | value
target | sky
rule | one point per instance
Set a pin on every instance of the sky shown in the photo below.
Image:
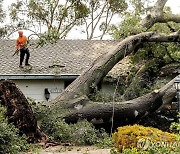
(77, 33)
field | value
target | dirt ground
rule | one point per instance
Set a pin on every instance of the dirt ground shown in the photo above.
(74, 150)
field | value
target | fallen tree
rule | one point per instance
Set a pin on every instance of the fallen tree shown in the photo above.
(75, 96)
(77, 92)
(123, 112)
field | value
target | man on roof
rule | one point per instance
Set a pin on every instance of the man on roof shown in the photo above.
(21, 45)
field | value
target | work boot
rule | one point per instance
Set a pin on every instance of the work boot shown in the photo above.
(27, 65)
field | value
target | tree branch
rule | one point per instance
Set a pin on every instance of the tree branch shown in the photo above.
(173, 37)
(158, 8)
(167, 18)
(157, 15)
(52, 11)
(93, 75)
(106, 23)
(127, 111)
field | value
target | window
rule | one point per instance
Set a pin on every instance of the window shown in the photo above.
(67, 83)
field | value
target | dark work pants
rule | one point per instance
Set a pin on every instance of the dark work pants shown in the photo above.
(24, 51)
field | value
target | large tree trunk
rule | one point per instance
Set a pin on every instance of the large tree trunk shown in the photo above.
(100, 67)
(19, 112)
(76, 92)
(123, 112)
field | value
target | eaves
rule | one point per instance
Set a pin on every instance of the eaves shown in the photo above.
(38, 76)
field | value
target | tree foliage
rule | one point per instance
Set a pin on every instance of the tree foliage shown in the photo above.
(101, 15)
(2, 16)
(76, 94)
(154, 55)
(2, 13)
(10, 141)
(61, 16)
(52, 16)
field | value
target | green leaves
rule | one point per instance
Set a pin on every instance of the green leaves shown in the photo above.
(2, 13)
(15, 7)
(10, 141)
(127, 27)
(3, 31)
(50, 37)
(130, 25)
(81, 10)
(118, 6)
(49, 15)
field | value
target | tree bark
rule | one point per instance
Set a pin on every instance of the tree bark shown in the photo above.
(76, 94)
(100, 67)
(124, 112)
(157, 15)
(19, 112)
(89, 79)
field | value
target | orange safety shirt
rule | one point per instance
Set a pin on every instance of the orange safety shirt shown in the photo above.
(20, 42)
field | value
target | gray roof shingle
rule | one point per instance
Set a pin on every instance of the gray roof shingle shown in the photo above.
(72, 56)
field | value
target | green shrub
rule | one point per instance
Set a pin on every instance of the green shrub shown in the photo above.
(175, 127)
(81, 133)
(84, 133)
(40, 111)
(104, 97)
(57, 129)
(106, 142)
(100, 96)
(10, 141)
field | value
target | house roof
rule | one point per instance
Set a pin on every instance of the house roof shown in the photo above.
(65, 57)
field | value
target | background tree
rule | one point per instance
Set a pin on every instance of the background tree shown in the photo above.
(75, 96)
(77, 93)
(55, 17)
(2, 16)
(151, 56)
(100, 17)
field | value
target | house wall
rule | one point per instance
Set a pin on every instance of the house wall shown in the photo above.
(108, 88)
(35, 88)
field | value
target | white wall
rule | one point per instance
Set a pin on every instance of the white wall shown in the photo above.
(108, 88)
(35, 88)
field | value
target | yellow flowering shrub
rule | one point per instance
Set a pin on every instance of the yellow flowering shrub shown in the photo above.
(128, 136)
